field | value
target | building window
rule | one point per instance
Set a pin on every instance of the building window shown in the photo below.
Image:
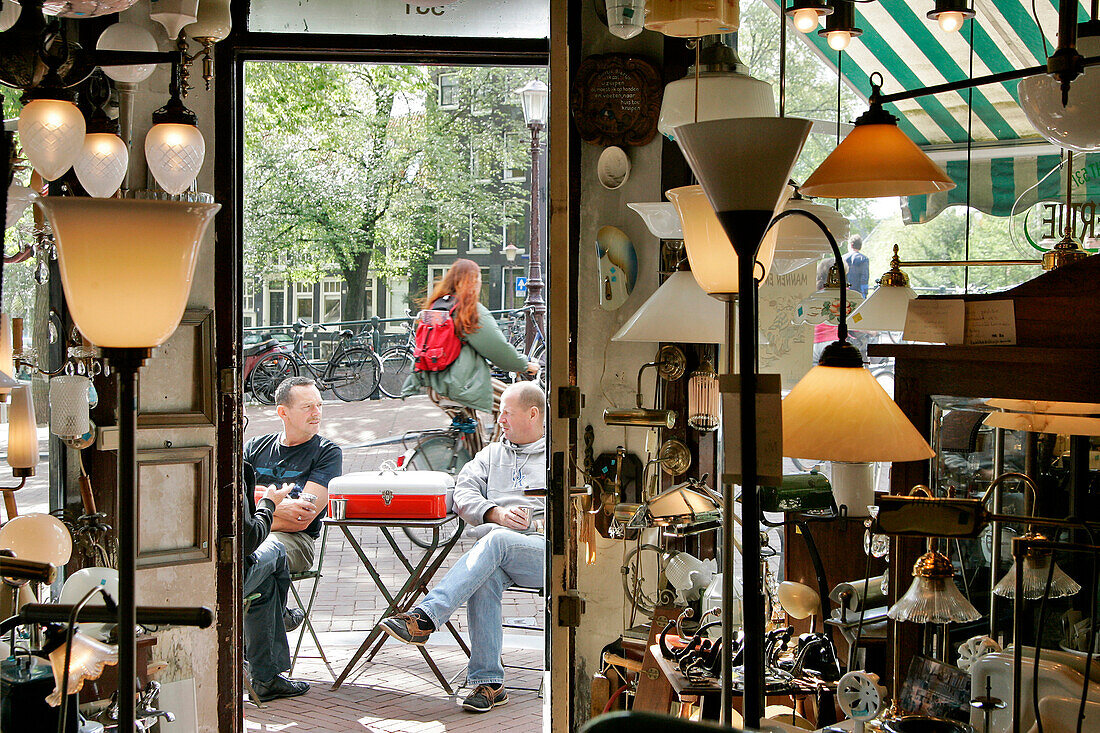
(515, 169)
(478, 243)
(448, 91)
(370, 297)
(481, 156)
(486, 282)
(248, 298)
(447, 241)
(435, 274)
(303, 302)
(331, 306)
(276, 303)
(510, 299)
(397, 301)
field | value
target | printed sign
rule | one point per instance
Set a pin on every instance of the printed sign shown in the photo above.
(521, 286)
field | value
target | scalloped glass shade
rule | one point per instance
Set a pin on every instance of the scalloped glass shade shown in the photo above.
(662, 220)
(102, 164)
(52, 134)
(86, 662)
(1077, 125)
(843, 414)
(692, 18)
(874, 161)
(174, 153)
(19, 198)
(884, 310)
(1036, 568)
(933, 601)
(126, 265)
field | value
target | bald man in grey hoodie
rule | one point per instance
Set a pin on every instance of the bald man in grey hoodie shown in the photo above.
(510, 550)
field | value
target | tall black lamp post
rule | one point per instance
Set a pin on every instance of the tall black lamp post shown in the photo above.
(534, 95)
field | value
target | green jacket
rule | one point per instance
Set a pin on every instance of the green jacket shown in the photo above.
(466, 380)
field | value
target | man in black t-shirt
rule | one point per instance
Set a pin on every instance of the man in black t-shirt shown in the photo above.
(297, 455)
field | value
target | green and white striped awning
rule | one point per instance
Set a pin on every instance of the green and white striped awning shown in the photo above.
(910, 51)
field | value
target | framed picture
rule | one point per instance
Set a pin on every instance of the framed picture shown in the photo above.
(174, 505)
(187, 358)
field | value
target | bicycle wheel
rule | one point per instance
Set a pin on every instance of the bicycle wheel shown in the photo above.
(268, 373)
(397, 364)
(354, 375)
(436, 453)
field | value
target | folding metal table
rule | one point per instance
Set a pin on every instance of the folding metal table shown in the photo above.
(413, 588)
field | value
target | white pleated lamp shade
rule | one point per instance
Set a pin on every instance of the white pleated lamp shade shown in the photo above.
(52, 134)
(1036, 570)
(22, 431)
(712, 257)
(127, 37)
(843, 414)
(127, 265)
(7, 358)
(678, 311)
(174, 14)
(174, 153)
(69, 405)
(722, 95)
(799, 241)
(884, 310)
(102, 164)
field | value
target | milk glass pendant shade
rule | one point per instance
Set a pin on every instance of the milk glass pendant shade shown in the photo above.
(52, 134)
(7, 358)
(102, 164)
(722, 95)
(678, 311)
(126, 265)
(174, 14)
(1077, 125)
(19, 198)
(625, 18)
(213, 21)
(86, 662)
(22, 432)
(876, 159)
(712, 257)
(692, 18)
(69, 405)
(38, 537)
(798, 240)
(127, 37)
(838, 413)
(933, 598)
(174, 153)
(79, 583)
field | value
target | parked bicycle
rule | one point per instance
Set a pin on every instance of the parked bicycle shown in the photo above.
(397, 363)
(352, 372)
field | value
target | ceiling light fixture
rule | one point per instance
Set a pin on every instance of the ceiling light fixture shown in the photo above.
(840, 25)
(950, 14)
(806, 14)
(174, 146)
(798, 241)
(104, 157)
(1037, 567)
(51, 128)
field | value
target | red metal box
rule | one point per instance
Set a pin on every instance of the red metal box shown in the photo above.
(397, 494)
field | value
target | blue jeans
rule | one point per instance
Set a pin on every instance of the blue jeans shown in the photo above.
(500, 559)
(265, 643)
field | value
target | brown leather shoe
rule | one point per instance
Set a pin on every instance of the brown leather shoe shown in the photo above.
(484, 698)
(405, 627)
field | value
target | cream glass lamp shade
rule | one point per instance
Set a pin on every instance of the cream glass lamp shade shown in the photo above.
(712, 257)
(1077, 125)
(873, 161)
(52, 133)
(174, 153)
(38, 537)
(127, 37)
(843, 414)
(692, 18)
(884, 310)
(22, 432)
(7, 359)
(722, 95)
(174, 14)
(798, 241)
(797, 599)
(19, 198)
(102, 164)
(214, 21)
(86, 662)
(678, 311)
(126, 265)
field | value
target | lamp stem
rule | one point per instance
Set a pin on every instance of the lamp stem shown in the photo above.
(127, 362)
(842, 324)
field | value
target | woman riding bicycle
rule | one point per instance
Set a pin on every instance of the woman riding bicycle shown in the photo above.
(467, 380)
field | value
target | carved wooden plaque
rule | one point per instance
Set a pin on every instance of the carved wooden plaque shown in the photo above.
(616, 100)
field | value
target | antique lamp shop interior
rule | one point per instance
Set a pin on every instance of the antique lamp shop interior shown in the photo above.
(815, 287)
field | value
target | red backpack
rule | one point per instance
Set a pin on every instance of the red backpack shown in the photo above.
(437, 341)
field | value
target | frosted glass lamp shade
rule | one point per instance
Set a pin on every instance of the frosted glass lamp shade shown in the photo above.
(174, 14)
(661, 218)
(127, 37)
(678, 311)
(712, 257)
(126, 265)
(214, 21)
(722, 95)
(1077, 125)
(174, 153)
(38, 537)
(7, 358)
(692, 18)
(625, 18)
(873, 161)
(799, 241)
(102, 164)
(22, 432)
(19, 198)
(843, 414)
(884, 310)
(534, 96)
(52, 133)
(86, 662)
(69, 405)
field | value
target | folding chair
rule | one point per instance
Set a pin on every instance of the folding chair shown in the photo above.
(295, 578)
(252, 696)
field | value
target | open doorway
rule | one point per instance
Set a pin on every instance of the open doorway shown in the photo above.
(363, 185)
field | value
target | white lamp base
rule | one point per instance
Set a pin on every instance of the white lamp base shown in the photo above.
(854, 486)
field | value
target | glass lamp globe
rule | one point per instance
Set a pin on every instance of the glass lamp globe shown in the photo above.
(52, 134)
(174, 14)
(38, 537)
(127, 37)
(805, 19)
(625, 18)
(214, 21)
(1077, 125)
(85, 8)
(9, 13)
(174, 153)
(102, 164)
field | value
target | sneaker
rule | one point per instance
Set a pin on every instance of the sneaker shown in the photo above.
(407, 628)
(484, 698)
(293, 618)
(279, 687)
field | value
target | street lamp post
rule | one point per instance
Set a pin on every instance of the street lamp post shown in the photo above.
(534, 96)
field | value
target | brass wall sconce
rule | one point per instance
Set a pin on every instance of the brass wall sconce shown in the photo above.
(670, 365)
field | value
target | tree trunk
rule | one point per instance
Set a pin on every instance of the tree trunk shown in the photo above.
(356, 278)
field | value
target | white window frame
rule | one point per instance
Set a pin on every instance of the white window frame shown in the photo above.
(248, 304)
(301, 290)
(509, 174)
(332, 289)
(273, 286)
(372, 288)
(435, 274)
(470, 248)
(452, 84)
(397, 293)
